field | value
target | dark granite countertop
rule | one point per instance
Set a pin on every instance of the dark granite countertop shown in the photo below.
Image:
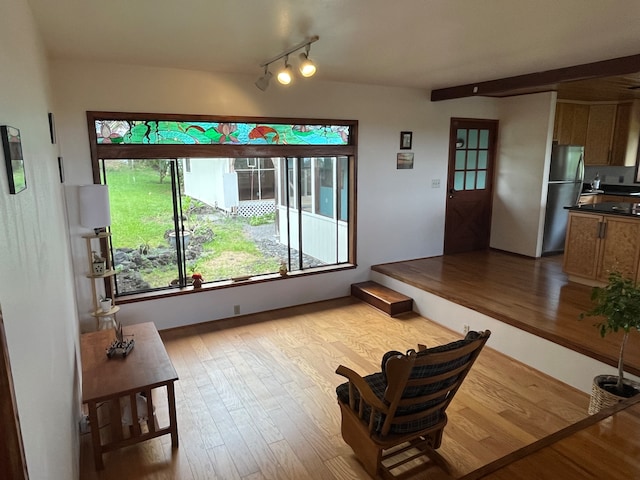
(627, 209)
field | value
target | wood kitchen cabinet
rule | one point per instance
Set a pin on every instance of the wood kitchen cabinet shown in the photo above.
(610, 132)
(597, 244)
(624, 148)
(570, 127)
(597, 148)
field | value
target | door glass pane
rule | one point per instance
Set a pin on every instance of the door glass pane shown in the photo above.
(481, 183)
(482, 159)
(471, 159)
(461, 134)
(473, 138)
(484, 138)
(470, 183)
(458, 181)
(460, 159)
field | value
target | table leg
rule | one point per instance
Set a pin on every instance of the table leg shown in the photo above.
(173, 421)
(95, 435)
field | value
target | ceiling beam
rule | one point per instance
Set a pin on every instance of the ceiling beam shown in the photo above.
(534, 81)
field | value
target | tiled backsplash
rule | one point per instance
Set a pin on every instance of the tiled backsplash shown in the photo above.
(610, 175)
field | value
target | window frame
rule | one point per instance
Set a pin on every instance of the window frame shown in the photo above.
(127, 151)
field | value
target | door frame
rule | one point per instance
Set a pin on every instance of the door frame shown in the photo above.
(493, 126)
(12, 458)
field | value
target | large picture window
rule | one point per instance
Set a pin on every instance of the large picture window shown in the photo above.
(228, 200)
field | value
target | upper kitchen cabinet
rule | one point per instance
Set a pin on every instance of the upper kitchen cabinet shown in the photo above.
(597, 148)
(570, 127)
(608, 131)
(624, 150)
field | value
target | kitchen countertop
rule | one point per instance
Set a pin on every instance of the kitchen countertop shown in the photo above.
(609, 208)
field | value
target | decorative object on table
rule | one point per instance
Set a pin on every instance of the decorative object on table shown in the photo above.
(120, 346)
(406, 139)
(283, 268)
(404, 161)
(197, 280)
(13, 158)
(618, 303)
(99, 264)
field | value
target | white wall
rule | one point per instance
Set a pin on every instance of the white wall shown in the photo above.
(36, 286)
(524, 152)
(399, 215)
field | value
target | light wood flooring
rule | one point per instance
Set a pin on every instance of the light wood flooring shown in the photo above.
(256, 399)
(531, 294)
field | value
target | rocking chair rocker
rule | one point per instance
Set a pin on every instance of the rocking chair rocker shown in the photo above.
(404, 405)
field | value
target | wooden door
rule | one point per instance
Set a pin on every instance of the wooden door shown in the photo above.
(472, 149)
(620, 247)
(12, 459)
(582, 245)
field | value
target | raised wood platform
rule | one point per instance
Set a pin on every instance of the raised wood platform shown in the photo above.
(383, 298)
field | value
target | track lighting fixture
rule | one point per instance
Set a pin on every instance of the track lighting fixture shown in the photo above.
(307, 68)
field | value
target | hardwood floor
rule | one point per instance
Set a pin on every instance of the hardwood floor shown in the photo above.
(256, 399)
(531, 294)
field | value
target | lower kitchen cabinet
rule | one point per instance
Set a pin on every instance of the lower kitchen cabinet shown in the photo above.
(598, 244)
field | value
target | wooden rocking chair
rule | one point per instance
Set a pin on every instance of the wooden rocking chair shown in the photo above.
(404, 405)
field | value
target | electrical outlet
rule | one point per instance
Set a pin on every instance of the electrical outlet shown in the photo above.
(236, 309)
(465, 328)
(435, 183)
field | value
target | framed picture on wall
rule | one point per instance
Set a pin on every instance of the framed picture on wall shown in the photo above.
(404, 161)
(406, 139)
(12, 147)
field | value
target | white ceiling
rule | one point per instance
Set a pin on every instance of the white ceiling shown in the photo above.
(412, 43)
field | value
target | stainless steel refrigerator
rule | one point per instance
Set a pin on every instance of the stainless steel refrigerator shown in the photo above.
(566, 175)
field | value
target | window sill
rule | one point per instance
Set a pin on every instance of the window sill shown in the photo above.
(239, 282)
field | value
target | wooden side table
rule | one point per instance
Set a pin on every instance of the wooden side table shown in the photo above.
(107, 382)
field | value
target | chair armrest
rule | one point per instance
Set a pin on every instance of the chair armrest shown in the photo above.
(366, 393)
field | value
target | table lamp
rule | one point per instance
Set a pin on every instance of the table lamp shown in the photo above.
(94, 207)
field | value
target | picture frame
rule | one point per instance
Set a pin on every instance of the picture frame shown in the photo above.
(404, 161)
(52, 128)
(406, 139)
(12, 148)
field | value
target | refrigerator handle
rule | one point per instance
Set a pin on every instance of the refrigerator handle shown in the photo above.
(580, 178)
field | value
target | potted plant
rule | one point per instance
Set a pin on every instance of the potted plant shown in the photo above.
(618, 303)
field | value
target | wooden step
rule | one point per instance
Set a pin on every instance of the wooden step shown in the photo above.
(383, 298)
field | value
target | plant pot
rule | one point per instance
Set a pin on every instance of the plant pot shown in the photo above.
(105, 305)
(602, 396)
(185, 236)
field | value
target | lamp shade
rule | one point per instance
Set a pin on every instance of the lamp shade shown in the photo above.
(94, 206)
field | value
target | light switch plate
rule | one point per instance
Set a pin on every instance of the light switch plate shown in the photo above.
(435, 183)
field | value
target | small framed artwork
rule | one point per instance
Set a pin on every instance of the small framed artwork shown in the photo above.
(52, 128)
(61, 169)
(12, 147)
(404, 161)
(406, 139)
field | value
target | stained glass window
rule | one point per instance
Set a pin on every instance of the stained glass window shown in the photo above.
(163, 132)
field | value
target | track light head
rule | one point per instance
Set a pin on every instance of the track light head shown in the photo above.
(307, 67)
(286, 74)
(263, 82)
